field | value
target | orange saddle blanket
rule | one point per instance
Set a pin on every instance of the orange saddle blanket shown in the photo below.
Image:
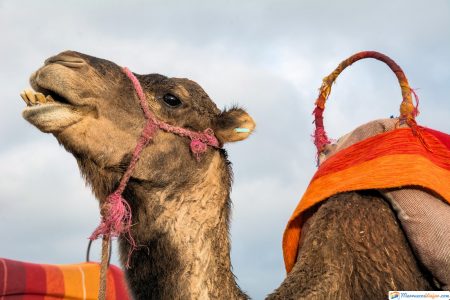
(397, 158)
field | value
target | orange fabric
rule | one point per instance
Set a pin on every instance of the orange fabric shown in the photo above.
(91, 274)
(393, 159)
(111, 290)
(400, 141)
(73, 283)
(55, 281)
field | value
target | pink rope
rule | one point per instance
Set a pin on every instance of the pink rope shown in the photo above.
(416, 107)
(207, 137)
(116, 212)
(320, 136)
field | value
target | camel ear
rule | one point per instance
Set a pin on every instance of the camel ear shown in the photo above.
(233, 125)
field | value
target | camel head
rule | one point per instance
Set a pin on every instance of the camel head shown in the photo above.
(92, 109)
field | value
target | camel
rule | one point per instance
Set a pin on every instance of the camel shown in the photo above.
(353, 247)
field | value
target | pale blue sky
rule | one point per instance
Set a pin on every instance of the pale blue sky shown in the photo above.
(268, 56)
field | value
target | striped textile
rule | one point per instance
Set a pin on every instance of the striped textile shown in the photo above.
(393, 159)
(29, 281)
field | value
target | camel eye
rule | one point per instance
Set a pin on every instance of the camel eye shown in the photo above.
(171, 100)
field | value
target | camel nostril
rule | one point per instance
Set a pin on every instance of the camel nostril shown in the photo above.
(68, 59)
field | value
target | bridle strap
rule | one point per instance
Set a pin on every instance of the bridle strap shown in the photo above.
(207, 137)
(115, 210)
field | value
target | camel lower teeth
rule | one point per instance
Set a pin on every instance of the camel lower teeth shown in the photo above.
(49, 99)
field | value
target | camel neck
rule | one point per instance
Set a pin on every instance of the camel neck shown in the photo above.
(183, 233)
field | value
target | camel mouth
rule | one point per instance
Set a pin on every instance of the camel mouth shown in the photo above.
(50, 111)
(34, 99)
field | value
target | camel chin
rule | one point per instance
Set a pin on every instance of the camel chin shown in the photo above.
(52, 118)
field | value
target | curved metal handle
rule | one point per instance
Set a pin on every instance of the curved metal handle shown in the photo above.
(408, 111)
(88, 252)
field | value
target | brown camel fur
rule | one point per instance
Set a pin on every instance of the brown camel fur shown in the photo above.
(354, 247)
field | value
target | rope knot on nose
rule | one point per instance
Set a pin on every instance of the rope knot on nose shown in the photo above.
(149, 130)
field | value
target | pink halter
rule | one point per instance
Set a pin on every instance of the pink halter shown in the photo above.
(116, 212)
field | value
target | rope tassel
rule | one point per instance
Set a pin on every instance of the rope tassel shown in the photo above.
(116, 217)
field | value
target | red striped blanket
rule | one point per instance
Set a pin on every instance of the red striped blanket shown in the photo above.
(29, 281)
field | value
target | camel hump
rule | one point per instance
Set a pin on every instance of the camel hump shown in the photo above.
(354, 248)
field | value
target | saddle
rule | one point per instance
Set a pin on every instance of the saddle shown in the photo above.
(409, 164)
